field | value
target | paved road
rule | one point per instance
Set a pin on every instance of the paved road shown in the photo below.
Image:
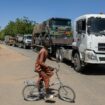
(89, 86)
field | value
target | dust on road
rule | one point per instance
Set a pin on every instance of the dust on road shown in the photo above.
(9, 55)
(14, 69)
(12, 65)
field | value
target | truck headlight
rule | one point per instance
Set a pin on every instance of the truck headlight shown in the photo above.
(91, 55)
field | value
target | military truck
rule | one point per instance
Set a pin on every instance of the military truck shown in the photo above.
(57, 31)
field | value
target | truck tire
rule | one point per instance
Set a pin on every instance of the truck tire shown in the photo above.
(24, 46)
(77, 63)
(57, 54)
(60, 55)
(20, 46)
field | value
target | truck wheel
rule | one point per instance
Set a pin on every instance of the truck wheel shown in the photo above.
(20, 46)
(57, 54)
(24, 46)
(60, 56)
(77, 62)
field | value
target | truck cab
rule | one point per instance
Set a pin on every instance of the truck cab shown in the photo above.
(27, 40)
(89, 37)
(23, 41)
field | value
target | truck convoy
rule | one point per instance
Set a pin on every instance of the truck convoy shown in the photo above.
(85, 46)
(23, 41)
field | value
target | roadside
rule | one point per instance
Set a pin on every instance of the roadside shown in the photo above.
(7, 54)
(12, 63)
(14, 69)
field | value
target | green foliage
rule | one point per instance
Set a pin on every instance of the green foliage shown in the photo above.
(2, 35)
(19, 26)
(10, 29)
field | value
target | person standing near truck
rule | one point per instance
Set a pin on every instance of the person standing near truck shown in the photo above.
(42, 69)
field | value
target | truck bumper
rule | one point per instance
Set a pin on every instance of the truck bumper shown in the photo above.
(94, 58)
(28, 44)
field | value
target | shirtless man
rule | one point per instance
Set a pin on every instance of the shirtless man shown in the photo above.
(42, 69)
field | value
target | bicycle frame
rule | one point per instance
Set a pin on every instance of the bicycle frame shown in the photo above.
(41, 86)
(58, 78)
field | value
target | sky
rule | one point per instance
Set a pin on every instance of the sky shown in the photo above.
(40, 10)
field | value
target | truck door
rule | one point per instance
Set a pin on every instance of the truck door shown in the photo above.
(81, 35)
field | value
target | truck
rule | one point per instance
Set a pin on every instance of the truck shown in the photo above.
(9, 40)
(85, 46)
(89, 41)
(57, 31)
(23, 41)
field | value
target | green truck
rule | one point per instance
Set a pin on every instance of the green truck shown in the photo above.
(57, 31)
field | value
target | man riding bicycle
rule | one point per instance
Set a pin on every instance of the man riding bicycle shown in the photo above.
(45, 72)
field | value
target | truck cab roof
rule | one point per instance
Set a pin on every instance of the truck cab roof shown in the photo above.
(90, 15)
(28, 35)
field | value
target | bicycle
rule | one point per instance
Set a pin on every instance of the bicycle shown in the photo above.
(31, 92)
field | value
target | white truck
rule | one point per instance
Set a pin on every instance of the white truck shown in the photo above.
(23, 41)
(88, 46)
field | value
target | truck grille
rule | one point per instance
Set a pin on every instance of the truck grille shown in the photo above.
(102, 58)
(101, 46)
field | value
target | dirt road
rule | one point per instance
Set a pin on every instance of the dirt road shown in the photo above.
(16, 65)
(12, 73)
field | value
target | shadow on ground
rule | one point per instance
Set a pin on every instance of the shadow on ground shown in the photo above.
(94, 70)
(90, 69)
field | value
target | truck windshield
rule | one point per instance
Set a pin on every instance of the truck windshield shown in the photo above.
(97, 25)
(61, 22)
(29, 37)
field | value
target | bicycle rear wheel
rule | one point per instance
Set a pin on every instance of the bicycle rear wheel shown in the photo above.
(30, 93)
(66, 93)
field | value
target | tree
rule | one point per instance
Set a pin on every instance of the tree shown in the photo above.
(20, 26)
(10, 29)
(2, 35)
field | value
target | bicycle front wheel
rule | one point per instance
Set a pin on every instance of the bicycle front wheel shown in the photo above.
(66, 93)
(30, 93)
